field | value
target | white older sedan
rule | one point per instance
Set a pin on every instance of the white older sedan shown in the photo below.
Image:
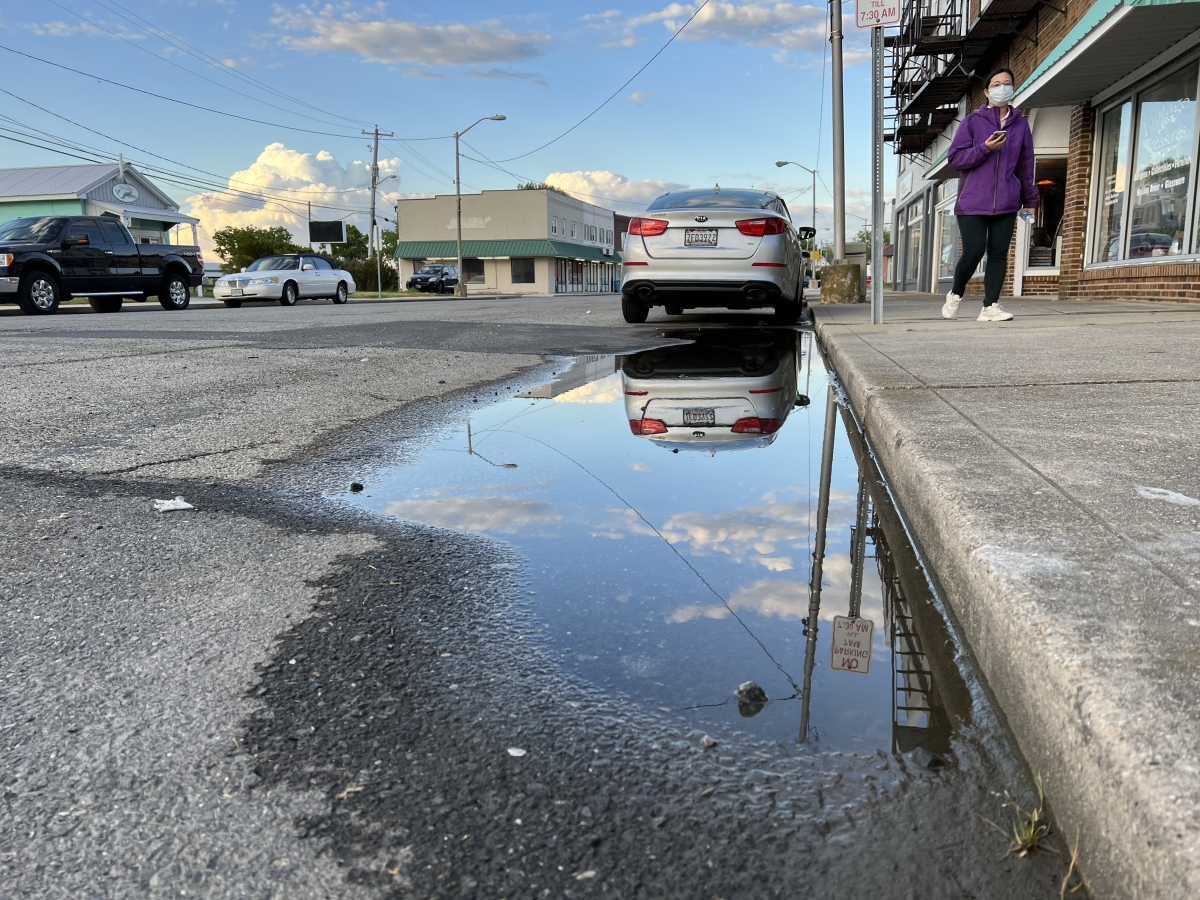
(287, 278)
(736, 249)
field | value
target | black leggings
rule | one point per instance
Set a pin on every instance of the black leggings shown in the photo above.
(984, 234)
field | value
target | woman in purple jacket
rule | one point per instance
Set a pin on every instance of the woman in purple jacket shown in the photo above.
(993, 152)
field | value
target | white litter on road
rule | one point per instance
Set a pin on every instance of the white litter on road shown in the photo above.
(171, 505)
(516, 751)
(1148, 493)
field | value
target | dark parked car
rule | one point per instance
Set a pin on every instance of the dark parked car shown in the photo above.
(48, 258)
(436, 277)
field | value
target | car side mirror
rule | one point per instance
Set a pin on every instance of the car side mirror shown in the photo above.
(243, 269)
(308, 267)
(806, 232)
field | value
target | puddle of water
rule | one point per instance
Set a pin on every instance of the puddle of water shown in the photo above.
(668, 504)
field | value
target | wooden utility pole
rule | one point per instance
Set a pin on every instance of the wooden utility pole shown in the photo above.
(374, 184)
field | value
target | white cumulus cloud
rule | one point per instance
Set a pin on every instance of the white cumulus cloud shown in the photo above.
(292, 179)
(374, 36)
(612, 190)
(639, 97)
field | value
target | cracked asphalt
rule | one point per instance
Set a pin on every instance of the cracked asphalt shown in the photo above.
(277, 695)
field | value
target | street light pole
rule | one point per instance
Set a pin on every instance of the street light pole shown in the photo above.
(787, 162)
(839, 134)
(460, 289)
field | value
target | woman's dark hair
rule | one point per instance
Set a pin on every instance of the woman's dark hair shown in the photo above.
(1001, 71)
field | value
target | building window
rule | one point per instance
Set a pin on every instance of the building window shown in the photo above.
(608, 237)
(592, 233)
(574, 232)
(473, 271)
(554, 224)
(417, 263)
(1050, 175)
(1114, 168)
(912, 255)
(947, 243)
(522, 270)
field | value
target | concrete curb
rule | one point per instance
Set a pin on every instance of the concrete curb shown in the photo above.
(1052, 673)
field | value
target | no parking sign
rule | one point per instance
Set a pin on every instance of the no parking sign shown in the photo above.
(872, 13)
(851, 649)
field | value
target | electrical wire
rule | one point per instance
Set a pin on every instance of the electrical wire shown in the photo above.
(613, 95)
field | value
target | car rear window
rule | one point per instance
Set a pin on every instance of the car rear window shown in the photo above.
(320, 262)
(713, 200)
(113, 232)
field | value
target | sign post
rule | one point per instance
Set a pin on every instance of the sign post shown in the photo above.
(876, 14)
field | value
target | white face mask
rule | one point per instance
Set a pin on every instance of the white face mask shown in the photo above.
(1000, 94)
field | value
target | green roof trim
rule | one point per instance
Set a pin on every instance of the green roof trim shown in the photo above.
(1093, 17)
(501, 250)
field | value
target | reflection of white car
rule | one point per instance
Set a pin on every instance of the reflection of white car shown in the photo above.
(286, 278)
(727, 391)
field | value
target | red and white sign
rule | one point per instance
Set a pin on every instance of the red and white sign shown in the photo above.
(871, 13)
(851, 650)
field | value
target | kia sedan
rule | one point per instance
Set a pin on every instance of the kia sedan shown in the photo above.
(731, 249)
(286, 278)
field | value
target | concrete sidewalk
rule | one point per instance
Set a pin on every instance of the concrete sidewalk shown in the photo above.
(1050, 470)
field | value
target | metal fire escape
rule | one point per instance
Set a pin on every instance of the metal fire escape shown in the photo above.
(939, 50)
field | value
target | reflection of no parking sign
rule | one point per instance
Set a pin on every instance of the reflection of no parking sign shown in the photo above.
(851, 650)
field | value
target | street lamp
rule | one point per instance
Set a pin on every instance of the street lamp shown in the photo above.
(788, 162)
(460, 289)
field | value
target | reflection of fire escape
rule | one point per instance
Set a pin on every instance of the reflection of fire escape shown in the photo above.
(918, 716)
(940, 46)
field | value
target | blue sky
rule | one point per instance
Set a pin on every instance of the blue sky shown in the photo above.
(738, 89)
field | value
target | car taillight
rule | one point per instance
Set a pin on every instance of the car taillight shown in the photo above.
(200, 258)
(759, 227)
(647, 227)
(755, 425)
(647, 426)
(636, 393)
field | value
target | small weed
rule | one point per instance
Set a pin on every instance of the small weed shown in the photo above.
(1029, 830)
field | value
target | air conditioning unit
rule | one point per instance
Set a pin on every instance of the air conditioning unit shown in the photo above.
(608, 251)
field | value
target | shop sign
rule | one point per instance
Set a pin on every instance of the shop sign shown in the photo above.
(851, 649)
(126, 193)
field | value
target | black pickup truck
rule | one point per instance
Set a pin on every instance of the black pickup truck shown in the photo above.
(48, 258)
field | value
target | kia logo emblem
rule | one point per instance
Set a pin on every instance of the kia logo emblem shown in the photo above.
(701, 218)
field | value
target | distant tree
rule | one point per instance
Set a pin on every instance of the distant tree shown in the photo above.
(389, 237)
(540, 186)
(238, 247)
(356, 245)
(864, 236)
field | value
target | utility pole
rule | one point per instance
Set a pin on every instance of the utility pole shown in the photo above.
(399, 275)
(374, 184)
(460, 288)
(877, 45)
(839, 135)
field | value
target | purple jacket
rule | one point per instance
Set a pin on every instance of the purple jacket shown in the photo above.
(993, 182)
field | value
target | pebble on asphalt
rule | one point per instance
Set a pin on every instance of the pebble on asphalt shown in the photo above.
(355, 487)
(516, 751)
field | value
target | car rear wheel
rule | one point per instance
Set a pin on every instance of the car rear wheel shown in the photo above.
(787, 312)
(291, 295)
(105, 304)
(634, 312)
(174, 293)
(232, 304)
(38, 294)
(341, 296)
(674, 309)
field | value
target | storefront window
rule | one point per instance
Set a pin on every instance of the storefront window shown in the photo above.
(947, 243)
(1162, 174)
(473, 271)
(1114, 161)
(912, 257)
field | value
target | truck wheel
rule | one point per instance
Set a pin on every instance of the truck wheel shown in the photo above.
(232, 304)
(105, 304)
(291, 296)
(38, 294)
(341, 296)
(634, 312)
(174, 293)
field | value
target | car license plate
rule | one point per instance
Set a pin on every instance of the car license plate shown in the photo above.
(235, 292)
(700, 416)
(699, 237)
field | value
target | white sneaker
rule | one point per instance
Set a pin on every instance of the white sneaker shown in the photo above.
(950, 307)
(994, 313)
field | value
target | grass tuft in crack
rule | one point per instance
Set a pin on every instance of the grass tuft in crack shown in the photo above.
(1030, 829)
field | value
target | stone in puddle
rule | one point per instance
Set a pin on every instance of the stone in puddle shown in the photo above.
(708, 743)
(751, 699)
(356, 487)
(926, 759)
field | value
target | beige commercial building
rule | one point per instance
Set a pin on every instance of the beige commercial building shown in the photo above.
(516, 241)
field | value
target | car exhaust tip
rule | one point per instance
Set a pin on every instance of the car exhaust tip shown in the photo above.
(757, 295)
(645, 292)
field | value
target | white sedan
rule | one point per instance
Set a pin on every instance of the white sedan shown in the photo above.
(286, 278)
(729, 390)
(735, 249)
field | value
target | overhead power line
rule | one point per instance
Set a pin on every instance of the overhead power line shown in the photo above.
(617, 91)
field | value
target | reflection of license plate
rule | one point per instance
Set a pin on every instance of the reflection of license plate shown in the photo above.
(235, 292)
(700, 417)
(700, 237)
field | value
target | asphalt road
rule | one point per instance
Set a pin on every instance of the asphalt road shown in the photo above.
(277, 696)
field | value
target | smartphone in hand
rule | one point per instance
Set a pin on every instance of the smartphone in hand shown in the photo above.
(998, 134)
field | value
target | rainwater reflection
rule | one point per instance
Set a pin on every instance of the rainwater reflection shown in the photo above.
(674, 577)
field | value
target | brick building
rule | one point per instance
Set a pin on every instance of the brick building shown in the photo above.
(1109, 88)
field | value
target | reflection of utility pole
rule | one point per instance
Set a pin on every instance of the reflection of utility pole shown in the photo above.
(471, 450)
(814, 587)
(858, 547)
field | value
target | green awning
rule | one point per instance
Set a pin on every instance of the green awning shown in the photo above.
(501, 250)
(1113, 39)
